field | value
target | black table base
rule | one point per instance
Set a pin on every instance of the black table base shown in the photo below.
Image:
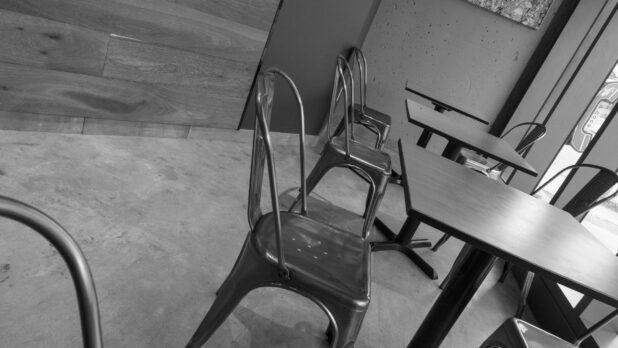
(466, 279)
(404, 243)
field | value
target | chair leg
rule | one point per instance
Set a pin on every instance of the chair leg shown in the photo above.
(376, 197)
(369, 200)
(440, 242)
(250, 273)
(346, 327)
(505, 271)
(521, 306)
(383, 136)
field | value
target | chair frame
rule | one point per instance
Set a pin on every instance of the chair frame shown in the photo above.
(376, 177)
(78, 267)
(255, 267)
(360, 113)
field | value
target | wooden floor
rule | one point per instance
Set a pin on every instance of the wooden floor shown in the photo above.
(139, 67)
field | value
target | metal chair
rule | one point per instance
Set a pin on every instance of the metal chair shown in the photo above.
(57, 236)
(493, 169)
(289, 250)
(375, 121)
(517, 333)
(374, 166)
(591, 195)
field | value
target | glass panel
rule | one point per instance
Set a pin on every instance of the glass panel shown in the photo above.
(602, 221)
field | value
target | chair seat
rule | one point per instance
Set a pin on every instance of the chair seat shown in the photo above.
(515, 333)
(319, 254)
(373, 114)
(363, 153)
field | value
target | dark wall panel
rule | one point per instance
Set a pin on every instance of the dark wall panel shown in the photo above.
(304, 42)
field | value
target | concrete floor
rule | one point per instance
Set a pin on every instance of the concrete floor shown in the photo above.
(161, 222)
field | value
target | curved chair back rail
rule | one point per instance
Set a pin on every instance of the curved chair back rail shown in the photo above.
(262, 152)
(536, 132)
(591, 194)
(340, 87)
(373, 120)
(74, 258)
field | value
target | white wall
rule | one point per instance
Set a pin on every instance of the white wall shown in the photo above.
(454, 50)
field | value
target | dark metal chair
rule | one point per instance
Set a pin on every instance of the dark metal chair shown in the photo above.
(517, 333)
(375, 121)
(493, 169)
(374, 166)
(289, 250)
(57, 236)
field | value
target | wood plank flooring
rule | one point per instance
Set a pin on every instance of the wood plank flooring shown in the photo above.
(111, 64)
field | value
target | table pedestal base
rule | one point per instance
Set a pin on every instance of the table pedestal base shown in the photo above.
(465, 280)
(404, 243)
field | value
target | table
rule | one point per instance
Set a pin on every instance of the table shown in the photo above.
(441, 106)
(460, 136)
(497, 221)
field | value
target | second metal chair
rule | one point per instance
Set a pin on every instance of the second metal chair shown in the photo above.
(343, 151)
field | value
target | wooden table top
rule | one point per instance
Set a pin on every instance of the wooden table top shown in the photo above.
(507, 223)
(444, 104)
(472, 138)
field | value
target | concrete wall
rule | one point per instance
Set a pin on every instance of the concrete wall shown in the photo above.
(452, 49)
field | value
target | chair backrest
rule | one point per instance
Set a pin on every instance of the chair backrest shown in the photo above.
(74, 258)
(534, 133)
(358, 59)
(591, 194)
(263, 153)
(343, 86)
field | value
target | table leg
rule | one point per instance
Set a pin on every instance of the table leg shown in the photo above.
(450, 304)
(404, 243)
(451, 151)
(424, 139)
(422, 142)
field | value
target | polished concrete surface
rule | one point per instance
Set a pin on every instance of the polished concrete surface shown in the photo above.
(161, 222)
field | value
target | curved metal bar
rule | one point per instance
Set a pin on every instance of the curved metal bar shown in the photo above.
(262, 120)
(526, 146)
(334, 99)
(348, 101)
(301, 110)
(74, 258)
(272, 178)
(582, 165)
(362, 66)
